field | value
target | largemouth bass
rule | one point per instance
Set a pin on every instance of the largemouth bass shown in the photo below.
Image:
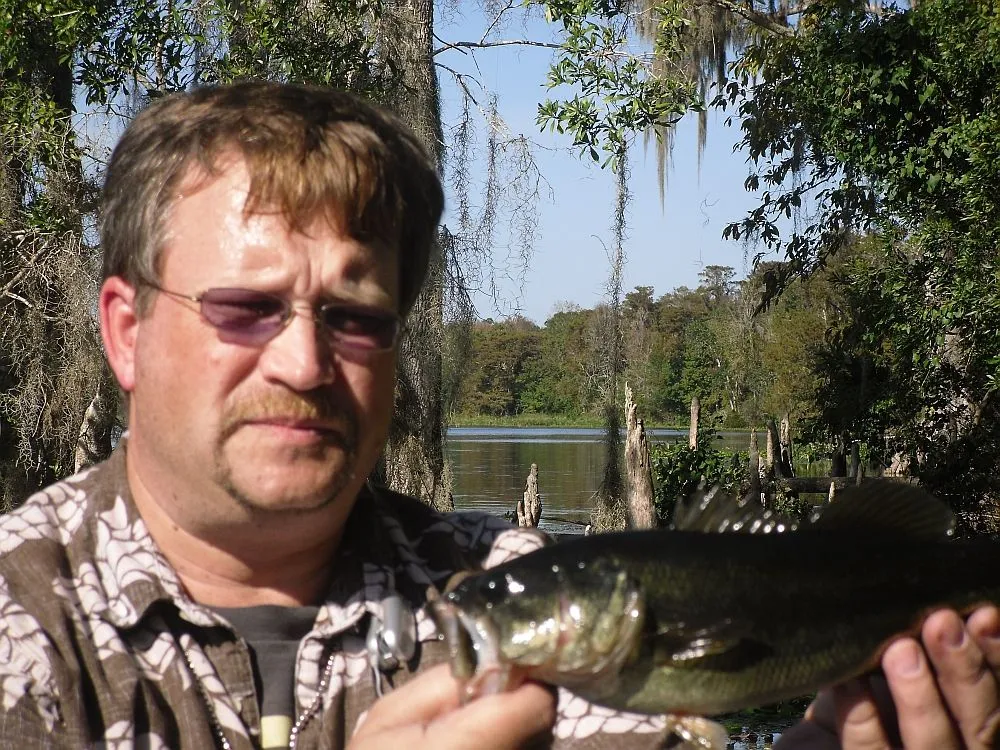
(691, 621)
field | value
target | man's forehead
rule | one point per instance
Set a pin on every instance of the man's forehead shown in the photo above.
(244, 190)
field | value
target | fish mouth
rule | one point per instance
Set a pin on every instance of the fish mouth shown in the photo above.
(490, 674)
(474, 649)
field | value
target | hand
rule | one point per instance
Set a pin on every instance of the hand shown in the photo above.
(945, 694)
(426, 713)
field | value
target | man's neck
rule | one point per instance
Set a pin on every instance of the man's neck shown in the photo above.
(215, 577)
(282, 559)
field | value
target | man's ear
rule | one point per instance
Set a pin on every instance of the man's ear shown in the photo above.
(119, 328)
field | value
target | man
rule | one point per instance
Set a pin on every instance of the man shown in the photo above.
(228, 578)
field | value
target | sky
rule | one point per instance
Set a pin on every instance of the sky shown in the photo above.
(668, 244)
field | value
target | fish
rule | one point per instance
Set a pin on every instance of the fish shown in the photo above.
(731, 608)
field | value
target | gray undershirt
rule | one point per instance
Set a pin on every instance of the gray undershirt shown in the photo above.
(273, 634)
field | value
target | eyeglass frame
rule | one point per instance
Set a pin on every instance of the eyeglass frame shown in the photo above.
(289, 312)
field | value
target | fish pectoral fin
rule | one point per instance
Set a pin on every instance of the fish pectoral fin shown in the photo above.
(717, 653)
(695, 733)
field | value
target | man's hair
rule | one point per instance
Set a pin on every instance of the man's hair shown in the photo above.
(311, 153)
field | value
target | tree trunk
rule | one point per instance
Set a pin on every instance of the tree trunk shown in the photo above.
(414, 456)
(772, 467)
(754, 467)
(785, 440)
(529, 507)
(638, 477)
(838, 460)
(94, 443)
(693, 427)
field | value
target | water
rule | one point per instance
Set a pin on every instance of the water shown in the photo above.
(490, 466)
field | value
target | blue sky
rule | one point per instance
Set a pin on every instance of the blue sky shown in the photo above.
(668, 244)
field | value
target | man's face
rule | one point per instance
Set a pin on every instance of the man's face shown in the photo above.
(291, 424)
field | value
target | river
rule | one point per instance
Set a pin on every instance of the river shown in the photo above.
(490, 466)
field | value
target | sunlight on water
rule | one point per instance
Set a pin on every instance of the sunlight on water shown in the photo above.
(490, 466)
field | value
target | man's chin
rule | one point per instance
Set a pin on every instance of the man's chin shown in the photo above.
(298, 493)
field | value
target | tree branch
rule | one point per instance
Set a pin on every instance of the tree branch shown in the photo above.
(755, 17)
(7, 290)
(501, 43)
(460, 79)
(510, 4)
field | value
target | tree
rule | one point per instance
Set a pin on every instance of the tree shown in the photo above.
(887, 129)
(51, 366)
(501, 355)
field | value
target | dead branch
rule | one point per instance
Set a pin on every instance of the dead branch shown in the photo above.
(501, 43)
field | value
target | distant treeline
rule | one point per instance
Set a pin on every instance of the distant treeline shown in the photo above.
(706, 341)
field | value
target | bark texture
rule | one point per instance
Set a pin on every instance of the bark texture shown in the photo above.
(529, 507)
(414, 456)
(638, 475)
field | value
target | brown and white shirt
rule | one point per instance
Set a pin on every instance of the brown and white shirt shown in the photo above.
(101, 647)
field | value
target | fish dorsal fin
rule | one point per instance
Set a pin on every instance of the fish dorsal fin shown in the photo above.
(715, 511)
(886, 506)
(720, 646)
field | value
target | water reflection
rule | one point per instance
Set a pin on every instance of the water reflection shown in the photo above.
(490, 465)
(760, 742)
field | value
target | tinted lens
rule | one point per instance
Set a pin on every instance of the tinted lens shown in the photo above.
(360, 328)
(244, 312)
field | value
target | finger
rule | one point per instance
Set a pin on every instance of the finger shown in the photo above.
(924, 722)
(419, 701)
(818, 728)
(984, 626)
(965, 678)
(823, 709)
(857, 717)
(505, 721)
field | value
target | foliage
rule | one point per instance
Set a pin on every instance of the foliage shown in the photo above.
(617, 93)
(291, 41)
(501, 355)
(868, 117)
(682, 344)
(878, 133)
(678, 469)
(772, 717)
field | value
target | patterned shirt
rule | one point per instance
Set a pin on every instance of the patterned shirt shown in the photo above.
(100, 646)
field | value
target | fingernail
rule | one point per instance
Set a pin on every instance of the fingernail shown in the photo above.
(953, 634)
(903, 658)
(992, 628)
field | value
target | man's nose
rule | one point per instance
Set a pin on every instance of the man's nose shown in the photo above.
(300, 356)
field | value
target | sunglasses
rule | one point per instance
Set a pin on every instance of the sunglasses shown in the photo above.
(252, 318)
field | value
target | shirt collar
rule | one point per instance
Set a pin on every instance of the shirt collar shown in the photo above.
(136, 576)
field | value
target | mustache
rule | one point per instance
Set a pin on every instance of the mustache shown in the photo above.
(318, 407)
